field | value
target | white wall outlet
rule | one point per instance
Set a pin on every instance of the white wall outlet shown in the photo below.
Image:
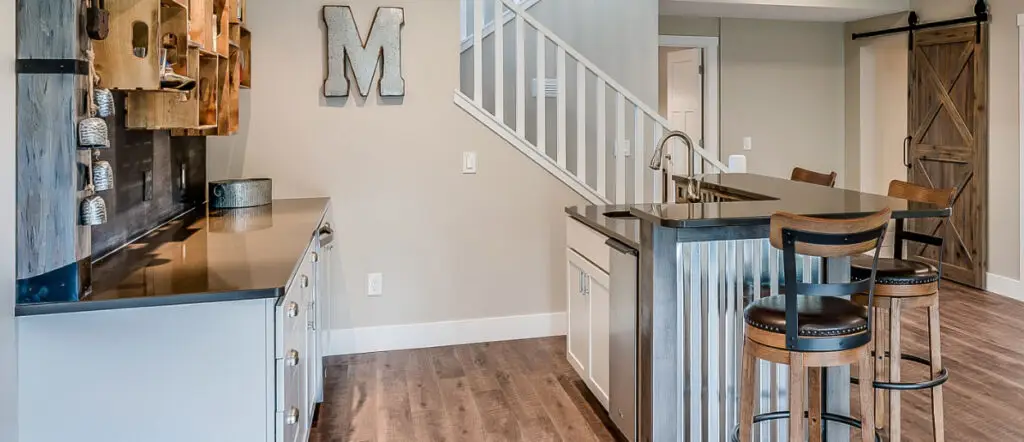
(375, 284)
(748, 143)
(468, 162)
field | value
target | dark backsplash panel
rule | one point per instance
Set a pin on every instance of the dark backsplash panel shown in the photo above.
(156, 177)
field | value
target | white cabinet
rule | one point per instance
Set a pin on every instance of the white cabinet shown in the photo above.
(600, 334)
(294, 357)
(578, 337)
(589, 317)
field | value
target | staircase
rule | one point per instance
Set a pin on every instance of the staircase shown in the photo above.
(576, 121)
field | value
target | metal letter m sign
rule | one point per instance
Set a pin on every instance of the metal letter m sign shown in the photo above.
(345, 47)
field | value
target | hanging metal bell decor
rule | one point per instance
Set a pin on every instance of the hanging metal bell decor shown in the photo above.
(104, 102)
(93, 211)
(92, 132)
(102, 176)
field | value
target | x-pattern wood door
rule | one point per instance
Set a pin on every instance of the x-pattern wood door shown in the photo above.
(949, 128)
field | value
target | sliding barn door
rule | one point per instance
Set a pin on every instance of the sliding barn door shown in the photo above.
(949, 146)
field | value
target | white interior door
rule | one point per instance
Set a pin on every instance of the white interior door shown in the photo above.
(685, 100)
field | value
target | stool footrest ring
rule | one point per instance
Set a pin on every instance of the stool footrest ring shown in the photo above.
(910, 386)
(779, 415)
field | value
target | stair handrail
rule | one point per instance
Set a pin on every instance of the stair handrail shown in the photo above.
(640, 104)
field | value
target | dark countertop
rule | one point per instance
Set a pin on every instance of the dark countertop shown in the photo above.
(781, 195)
(228, 255)
(624, 230)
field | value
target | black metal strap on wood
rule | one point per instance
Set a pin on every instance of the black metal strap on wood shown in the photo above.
(981, 15)
(51, 66)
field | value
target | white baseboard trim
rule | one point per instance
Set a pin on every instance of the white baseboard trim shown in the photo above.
(437, 334)
(1001, 285)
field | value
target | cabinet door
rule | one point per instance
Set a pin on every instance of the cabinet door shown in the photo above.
(578, 345)
(597, 284)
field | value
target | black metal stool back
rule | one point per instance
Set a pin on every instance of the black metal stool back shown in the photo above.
(826, 238)
(919, 194)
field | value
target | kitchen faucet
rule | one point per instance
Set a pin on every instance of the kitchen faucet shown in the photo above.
(661, 156)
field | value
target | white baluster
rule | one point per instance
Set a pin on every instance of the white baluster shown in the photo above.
(499, 61)
(520, 76)
(638, 155)
(560, 101)
(541, 100)
(620, 154)
(478, 58)
(581, 122)
(602, 138)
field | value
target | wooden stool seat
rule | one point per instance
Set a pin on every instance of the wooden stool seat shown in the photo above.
(896, 277)
(818, 316)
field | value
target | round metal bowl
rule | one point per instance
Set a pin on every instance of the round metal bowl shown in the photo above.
(238, 193)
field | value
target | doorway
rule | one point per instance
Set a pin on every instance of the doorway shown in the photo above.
(883, 112)
(688, 94)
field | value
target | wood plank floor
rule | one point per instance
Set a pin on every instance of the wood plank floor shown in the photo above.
(526, 391)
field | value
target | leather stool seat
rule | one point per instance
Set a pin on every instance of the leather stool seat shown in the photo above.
(894, 271)
(818, 316)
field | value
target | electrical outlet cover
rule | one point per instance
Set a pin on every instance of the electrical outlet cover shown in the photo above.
(375, 284)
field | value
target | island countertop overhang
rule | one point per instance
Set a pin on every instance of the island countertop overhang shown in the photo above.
(779, 195)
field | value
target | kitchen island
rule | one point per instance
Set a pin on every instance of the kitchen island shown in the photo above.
(205, 329)
(698, 264)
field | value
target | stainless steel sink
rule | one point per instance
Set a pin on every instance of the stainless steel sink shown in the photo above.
(621, 214)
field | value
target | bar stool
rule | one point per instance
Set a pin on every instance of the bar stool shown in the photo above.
(810, 176)
(810, 326)
(901, 284)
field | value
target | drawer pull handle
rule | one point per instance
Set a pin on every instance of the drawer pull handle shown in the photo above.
(315, 257)
(304, 281)
(293, 309)
(293, 358)
(293, 416)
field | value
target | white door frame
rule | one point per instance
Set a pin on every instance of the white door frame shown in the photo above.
(997, 283)
(712, 130)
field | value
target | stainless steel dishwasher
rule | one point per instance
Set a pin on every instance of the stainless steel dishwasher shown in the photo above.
(622, 345)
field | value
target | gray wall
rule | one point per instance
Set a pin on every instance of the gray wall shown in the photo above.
(8, 349)
(132, 153)
(451, 246)
(781, 84)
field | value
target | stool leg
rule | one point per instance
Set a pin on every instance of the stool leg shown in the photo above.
(748, 382)
(796, 397)
(814, 407)
(895, 356)
(881, 344)
(938, 418)
(867, 400)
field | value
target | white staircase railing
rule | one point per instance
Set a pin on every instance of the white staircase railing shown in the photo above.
(595, 126)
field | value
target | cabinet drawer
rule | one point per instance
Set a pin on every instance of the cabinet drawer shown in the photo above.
(588, 243)
(291, 412)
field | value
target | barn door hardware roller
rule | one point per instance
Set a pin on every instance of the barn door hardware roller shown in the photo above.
(980, 16)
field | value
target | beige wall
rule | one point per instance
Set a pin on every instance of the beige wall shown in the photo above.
(781, 84)
(690, 26)
(8, 349)
(450, 246)
(1004, 131)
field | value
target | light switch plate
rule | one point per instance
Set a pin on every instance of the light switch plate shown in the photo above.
(469, 162)
(375, 284)
(748, 143)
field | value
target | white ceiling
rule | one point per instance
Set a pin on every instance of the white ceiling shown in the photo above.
(797, 10)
